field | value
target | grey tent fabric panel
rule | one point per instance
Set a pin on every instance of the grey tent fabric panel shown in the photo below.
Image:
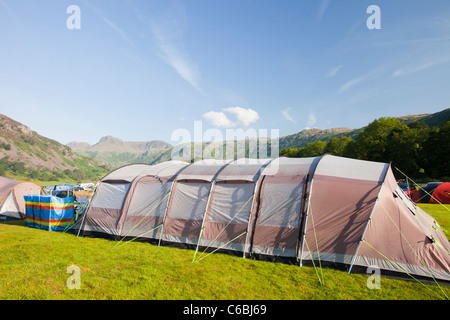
(111, 195)
(231, 202)
(148, 199)
(102, 220)
(281, 205)
(189, 201)
(147, 207)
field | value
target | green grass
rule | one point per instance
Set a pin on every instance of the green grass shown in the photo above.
(441, 214)
(33, 265)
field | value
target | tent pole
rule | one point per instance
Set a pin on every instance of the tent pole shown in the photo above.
(204, 218)
(303, 232)
(368, 220)
(213, 183)
(249, 219)
(165, 212)
(253, 202)
(86, 207)
(303, 235)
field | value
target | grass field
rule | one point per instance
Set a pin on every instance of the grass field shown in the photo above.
(33, 265)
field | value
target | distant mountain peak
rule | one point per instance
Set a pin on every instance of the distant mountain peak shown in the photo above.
(109, 140)
(118, 152)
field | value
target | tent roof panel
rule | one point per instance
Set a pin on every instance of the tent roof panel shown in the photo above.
(166, 169)
(243, 170)
(126, 173)
(204, 170)
(290, 166)
(351, 168)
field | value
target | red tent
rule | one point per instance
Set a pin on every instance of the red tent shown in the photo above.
(441, 194)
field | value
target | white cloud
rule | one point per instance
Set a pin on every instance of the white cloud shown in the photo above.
(218, 119)
(346, 86)
(286, 114)
(323, 7)
(168, 33)
(243, 116)
(333, 72)
(246, 116)
(312, 120)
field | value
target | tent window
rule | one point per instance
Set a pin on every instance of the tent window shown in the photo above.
(111, 195)
(189, 201)
(149, 199)
(281, 205)
(231, 202)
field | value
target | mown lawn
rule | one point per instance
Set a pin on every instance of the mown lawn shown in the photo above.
(33, 265)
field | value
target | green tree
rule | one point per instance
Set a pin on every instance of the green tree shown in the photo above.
(313, 149)
(337, 146)
(371, 144)
(402, 149)
(435, 151)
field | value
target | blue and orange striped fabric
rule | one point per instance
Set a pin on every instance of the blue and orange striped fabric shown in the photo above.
(49, 212)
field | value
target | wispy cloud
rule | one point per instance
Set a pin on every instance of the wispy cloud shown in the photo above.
(312, 120)
(421, 67)
(346, 86)
(243, 117)
(114, 27)
(333, 72)
(323, 7)
(286, 114)
(168, 33)
(119, 31)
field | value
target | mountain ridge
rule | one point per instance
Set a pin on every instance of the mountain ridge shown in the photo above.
(118, 152)
(24, 152)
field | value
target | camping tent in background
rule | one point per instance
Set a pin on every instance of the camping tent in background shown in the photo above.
(347, 213)
(12, 203)
(441, 194)
(49, 212)
(424, 194)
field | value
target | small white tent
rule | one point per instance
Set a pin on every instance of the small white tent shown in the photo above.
(12, 203)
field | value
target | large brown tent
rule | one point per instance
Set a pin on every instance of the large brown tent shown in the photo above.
(12, 203)
(345, 212)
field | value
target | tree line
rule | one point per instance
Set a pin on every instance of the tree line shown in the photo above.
(417, 150)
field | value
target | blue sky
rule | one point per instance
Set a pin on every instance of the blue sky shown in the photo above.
(138, 70)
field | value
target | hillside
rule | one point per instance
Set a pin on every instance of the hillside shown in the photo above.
(306, 136)
(26, 154)
(117, 152)
(302, 138)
